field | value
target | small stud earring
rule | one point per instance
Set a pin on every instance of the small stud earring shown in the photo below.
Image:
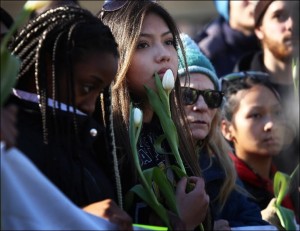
(194, 108)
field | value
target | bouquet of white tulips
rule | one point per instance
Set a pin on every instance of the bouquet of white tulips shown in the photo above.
(161, 106)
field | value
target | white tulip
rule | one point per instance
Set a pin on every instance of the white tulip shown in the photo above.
(35, 5)
(168, 80)
(137, 117)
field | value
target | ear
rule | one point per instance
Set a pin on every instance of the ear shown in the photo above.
(226, 130)
(258, 32)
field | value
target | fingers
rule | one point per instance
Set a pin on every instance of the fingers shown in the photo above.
(109, 210)
(192, 205)
(221, 225)
(181, 185)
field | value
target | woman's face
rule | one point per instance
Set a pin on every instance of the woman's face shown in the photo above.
(91, 76)
(155, 52)
(199, 115)
(258, 123)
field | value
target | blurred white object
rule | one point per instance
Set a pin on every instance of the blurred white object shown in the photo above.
(29, 201)
(261, 228)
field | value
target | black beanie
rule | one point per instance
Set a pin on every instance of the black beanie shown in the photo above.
(260, 10)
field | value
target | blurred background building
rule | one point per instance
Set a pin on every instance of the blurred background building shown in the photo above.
(191, 16)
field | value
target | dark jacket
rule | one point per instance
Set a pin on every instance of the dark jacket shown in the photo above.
(73, 163)
(224, 46)
(239, 210)
(254, 62)
(260, 188)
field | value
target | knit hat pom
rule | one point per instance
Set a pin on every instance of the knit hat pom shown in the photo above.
(197, 62)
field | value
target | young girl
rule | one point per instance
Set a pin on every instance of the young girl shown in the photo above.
(148, 40)
(68, 58)
(202, 100)
(254, 123)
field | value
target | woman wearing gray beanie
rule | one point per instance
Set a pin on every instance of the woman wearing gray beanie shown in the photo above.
(202, 98)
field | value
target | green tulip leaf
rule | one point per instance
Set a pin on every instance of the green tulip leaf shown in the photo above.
(158, 145)
(179, 173)
(148, 174)
(156, 206)
(286, 217)
(281, 186)
(165, 187)
(10, 66)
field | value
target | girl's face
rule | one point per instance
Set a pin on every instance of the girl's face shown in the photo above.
(258, 123)
(155, 52)
(199, 115)
(91, 76)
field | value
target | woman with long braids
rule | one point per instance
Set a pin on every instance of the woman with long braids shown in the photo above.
(69, 58)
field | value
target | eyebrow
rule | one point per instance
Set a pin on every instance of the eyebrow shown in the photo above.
(150, 35)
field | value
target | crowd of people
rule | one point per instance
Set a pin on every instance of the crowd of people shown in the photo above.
(65, 125)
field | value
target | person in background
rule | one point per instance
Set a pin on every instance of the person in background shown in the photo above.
(275, 27)
(69, 58)
(226, 39)
(148, 40)
(254, 122)
(202, 97)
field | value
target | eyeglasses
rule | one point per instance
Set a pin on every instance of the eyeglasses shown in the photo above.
(114, 5)
(212, 98)
(224, 81)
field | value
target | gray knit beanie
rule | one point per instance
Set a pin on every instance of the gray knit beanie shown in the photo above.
(196, 60)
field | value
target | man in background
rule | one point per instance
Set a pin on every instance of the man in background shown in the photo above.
(230, 36)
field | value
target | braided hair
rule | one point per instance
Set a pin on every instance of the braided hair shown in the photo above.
(49, 46)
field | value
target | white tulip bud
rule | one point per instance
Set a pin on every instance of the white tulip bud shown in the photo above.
(168, 80)
(35, 5)
(137, 117)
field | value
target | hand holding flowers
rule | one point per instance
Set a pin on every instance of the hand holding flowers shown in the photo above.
(157, 176)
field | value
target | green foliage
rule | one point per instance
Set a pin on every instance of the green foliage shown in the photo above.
(282, 183)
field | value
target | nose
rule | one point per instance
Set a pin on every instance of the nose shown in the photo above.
(289, 23)
(163, 54)
(89, 106)
(200, 104)
(268, 125)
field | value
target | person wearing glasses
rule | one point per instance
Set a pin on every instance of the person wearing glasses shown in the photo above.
(254, 123)
(68, 60)
(230, 36)
(148, 39)
(202, 100)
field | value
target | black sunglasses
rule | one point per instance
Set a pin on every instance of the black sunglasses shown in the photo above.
(224, 81)
(212, 98)
(114, 5)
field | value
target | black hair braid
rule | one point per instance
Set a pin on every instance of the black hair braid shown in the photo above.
(46, 34)
(108, 116)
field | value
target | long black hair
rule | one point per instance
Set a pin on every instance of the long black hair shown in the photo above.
(49, 45)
